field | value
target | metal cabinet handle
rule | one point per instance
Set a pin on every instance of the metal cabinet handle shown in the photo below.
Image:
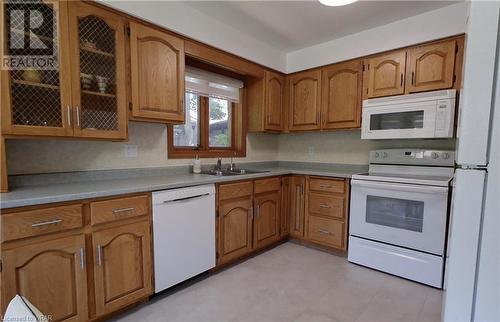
(413, 78)
(117, 211)
(78, 115)
(250, 210)
(68, 110)
(401, 79)
(324, 232)
(268, 118)
(317, 117)
(323, 205)
(82, 258)
(325, 186)
(99, 255)
(45, 223)
(257, 210)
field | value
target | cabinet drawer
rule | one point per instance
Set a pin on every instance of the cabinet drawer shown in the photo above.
(116, 209)
(327, 185)
(332, 206)
(235, 190)
(41, 221)
(265, 185)
(329, 232)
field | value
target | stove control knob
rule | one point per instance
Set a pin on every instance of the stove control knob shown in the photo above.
(446, 156)
(377, 155)
(384, 155)
(434, 155)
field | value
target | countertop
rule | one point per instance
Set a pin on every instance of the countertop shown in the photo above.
(73, 187)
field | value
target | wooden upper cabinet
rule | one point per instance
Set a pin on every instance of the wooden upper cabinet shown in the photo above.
(98, 78)
(386, 74)
(431, 67)
(274, 101)
(342, 91)
(305, 100)
(122, 266)
(297, 203)
(267, 217)
(52, 275)
(38, 102)
(235, 228)
(157, 74)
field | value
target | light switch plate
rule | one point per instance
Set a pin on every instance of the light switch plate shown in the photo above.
(130, 151)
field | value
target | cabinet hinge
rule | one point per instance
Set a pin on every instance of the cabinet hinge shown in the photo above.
(454, 78)
(216, 255)
(127, 31)
(456, 49)
(1, 266)
(368, 67)
(363, 67)
(130, 106)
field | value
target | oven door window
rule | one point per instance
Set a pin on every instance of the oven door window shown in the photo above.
(397, 120)
(397, 213)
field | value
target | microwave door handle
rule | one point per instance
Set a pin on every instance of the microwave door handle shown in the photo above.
(399, 186)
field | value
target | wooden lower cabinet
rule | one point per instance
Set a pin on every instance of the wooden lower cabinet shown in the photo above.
(52, 275)
(297, 188)
(122, 268)
(235, 228)
(266, 221)
(285, 207)
(77, 272)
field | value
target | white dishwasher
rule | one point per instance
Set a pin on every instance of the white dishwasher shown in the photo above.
(184, 234)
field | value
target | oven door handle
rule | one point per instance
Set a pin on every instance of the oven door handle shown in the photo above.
(399, 186)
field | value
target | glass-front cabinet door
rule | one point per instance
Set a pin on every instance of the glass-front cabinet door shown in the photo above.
(97, 44)
(35, 69)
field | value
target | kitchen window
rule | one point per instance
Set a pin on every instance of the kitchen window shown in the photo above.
(213, 118)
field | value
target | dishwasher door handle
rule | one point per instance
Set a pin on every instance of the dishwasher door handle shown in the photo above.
(183, 200)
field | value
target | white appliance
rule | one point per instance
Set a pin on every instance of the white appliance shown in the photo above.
(398, 213)
(420, 115)
(183, 234)
(472, 283)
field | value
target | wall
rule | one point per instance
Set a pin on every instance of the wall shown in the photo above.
(195, 24)
(42, 156)
(447, 21)
(344, 146)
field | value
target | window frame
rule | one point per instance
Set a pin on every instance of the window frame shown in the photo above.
(237, 149)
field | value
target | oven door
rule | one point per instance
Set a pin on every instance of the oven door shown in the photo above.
(408, 215)
(415, 120)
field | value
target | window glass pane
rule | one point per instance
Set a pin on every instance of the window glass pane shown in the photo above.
(397, 213)
(395, 121)
(188, 134)
(219, 111)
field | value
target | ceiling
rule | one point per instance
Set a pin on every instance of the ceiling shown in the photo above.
(292, 25)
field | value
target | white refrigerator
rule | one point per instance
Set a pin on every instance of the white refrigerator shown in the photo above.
(472, 274)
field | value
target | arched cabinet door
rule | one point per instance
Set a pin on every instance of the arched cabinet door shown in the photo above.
(267, 215)
(157, 74)
(342, 89)
(431, 67)
(235, 228)
(97, 45)
(305, 101)
(386, 74)
(275, 94)
(122, 266)
(52, 275)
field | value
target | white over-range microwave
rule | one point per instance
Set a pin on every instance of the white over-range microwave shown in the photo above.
(421, 115)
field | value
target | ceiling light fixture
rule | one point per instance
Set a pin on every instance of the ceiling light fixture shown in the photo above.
(335, 3)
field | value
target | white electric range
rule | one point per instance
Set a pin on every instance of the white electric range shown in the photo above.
(399, 213)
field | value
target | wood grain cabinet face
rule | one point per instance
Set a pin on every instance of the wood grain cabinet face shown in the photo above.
(274, 101)
(285, 207)
(38, 102)
(342, 90)
(297, 187)
(431, 67)
(122, 266)
(98, 77)
(157, 74)
(386, 74)
(305, 101)
(235, 228)
(266, 222)
(52, 275)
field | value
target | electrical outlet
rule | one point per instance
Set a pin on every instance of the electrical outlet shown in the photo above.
(130, 151)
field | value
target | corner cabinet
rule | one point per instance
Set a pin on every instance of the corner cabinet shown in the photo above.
(305, 100)
(297, 203)
(342, 91)
(157, 75)
(85, 95)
